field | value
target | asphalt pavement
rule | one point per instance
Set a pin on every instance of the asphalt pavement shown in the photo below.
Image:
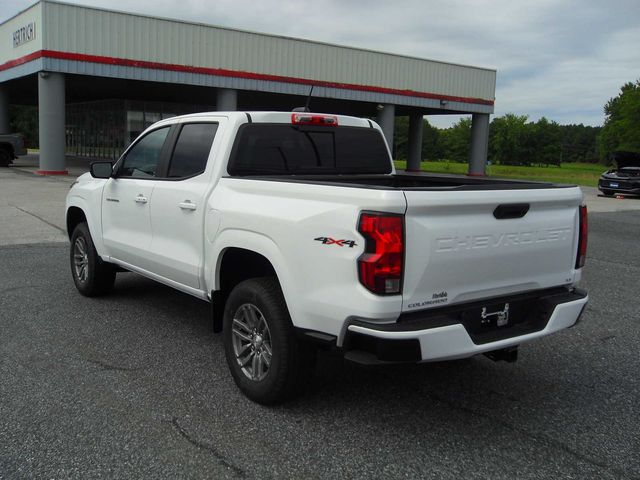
(135, 385)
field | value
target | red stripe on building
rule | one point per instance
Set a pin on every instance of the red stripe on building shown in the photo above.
(221, 72)
(21, 60)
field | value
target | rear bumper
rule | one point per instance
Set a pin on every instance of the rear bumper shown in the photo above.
(369, 343)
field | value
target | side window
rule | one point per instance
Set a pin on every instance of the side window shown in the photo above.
(192, 149)
(143, 158)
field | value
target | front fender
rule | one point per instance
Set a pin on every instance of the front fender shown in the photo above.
(94, 221)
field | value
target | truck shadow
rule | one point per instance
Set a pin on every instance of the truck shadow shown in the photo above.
(339, 384)
(541, 401)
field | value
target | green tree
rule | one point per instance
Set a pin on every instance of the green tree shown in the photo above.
(579, 143)
(24, 119)
(401, 138)
(508, 143)
(546, 144)
(621, 130)
(455, 141)
(431, 142)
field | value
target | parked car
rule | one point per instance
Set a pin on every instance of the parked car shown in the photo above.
(11, 145)
(299, 231)
(624, 177)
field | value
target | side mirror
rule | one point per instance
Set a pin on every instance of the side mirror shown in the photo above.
(101, 169)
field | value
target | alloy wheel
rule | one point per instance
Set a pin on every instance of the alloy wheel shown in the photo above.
(252, 342)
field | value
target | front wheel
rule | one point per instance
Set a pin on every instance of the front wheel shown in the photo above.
(267, 361)
(91, 275)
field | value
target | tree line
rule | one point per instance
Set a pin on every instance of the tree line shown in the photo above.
(514, 140)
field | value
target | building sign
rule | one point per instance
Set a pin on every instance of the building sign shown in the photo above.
(24, 34)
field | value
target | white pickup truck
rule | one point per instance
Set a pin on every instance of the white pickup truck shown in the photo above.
(298, 230)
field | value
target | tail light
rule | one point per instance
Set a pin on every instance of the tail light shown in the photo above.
(314, 119)
(380, 266)
(582, 238)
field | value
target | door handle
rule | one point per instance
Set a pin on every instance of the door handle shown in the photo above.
(141, 199)
(187, 205)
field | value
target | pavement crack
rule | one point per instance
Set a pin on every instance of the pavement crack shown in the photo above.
(209, 448)
(108, 366)
(540, 438)
(39, 218)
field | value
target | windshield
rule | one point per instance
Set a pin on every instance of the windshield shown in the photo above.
(272, 149)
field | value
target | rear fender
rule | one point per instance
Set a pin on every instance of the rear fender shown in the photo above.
(255, 242)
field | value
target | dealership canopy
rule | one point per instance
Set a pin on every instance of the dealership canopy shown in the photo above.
(99, 77)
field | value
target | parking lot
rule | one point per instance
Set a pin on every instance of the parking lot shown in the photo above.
(136, 385)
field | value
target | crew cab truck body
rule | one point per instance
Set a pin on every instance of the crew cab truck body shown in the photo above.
(298, 230)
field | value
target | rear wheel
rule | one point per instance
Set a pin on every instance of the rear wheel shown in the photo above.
(268, 363)
(5, 157)
(91, 275)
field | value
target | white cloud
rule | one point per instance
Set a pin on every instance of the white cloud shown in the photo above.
(556, 58)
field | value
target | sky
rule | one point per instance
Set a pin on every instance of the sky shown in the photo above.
(554, 58)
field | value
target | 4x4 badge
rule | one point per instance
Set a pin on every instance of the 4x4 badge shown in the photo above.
(333, 241)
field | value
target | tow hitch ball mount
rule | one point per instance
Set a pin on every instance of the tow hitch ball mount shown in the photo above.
(509, 354)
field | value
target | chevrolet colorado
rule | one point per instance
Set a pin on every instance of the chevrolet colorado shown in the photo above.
(299, 231)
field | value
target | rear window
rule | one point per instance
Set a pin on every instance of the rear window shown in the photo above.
(272, 149)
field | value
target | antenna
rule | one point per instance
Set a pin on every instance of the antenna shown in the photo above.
(306, 107)
(308, 100)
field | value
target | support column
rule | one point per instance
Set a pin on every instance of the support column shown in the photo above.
(479, 144)
(51, 102)
(4, 109)
(415, 141)
(227, 100)
(386, 119)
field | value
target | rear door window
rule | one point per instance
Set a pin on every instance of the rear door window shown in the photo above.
(192, 149)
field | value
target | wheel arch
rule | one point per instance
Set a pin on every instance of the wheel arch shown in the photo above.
(78, 210)
(238, 264)
(75, 216)
(238, 256)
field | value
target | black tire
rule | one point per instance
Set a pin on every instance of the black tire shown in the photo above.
(291, 362)
(91, 275)
(5, 157)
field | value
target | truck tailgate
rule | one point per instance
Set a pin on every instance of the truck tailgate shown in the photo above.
(457, 250)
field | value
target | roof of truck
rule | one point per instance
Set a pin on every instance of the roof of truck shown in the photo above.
(276, 117)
